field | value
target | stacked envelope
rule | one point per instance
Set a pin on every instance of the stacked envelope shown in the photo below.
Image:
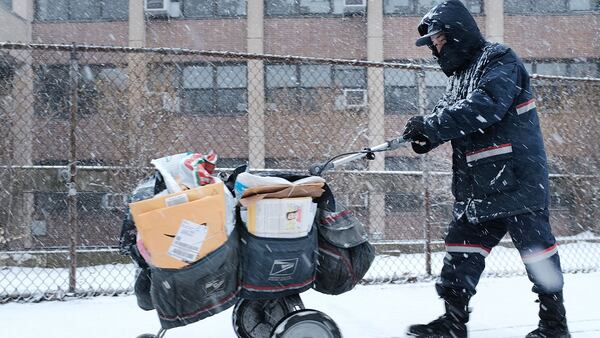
(178, 229)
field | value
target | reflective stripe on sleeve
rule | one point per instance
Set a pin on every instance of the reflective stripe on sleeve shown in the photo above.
(526, 106)
(488, 152)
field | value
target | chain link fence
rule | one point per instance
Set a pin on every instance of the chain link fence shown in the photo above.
(80, 124)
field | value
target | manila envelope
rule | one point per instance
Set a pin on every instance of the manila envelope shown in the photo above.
(154, 203)
(253, 195)
(158, 228)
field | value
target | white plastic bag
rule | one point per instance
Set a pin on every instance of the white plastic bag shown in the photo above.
(186, 170)
(168, 167)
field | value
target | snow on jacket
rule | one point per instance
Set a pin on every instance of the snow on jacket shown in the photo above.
(488, 113)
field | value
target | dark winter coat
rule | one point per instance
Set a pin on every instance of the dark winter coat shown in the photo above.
(489, 115)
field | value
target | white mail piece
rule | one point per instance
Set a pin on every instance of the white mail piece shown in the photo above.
(188, 241)
(281, 218)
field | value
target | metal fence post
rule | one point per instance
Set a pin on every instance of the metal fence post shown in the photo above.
(422, 89)
(427, 203)
(71, 188)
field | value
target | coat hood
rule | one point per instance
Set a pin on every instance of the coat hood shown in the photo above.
(463, 38)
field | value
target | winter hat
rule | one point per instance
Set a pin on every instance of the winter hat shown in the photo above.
(428, 30)
(463, 38)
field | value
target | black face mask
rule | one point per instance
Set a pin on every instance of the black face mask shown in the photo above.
(453, 57)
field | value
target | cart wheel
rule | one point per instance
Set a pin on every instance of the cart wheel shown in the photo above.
(160, 334)
(257, 318)
(306, 323)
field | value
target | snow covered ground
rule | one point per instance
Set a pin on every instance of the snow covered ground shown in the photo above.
(578, 255)
(504, 307)
(503, 261)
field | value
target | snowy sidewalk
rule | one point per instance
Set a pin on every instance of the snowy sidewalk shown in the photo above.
(504, 307)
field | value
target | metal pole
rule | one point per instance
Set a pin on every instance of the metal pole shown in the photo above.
(71, 188)
(427, 227)
(422, 88)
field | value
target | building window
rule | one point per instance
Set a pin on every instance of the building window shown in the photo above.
(200, 88)
(7, 73)
(535, 6)
(314, 7)
(213, 8)
(209, 89)
(435, 83)
(584, 5)
(7, 4)
(420, 7)
(81, 10)
(402, 94)
(52, 88)
(564, 68)
(549, 6)
(56, 203)
(51, 91)
(314, 87)
(115, 9)
(403, 163)
(39, 228)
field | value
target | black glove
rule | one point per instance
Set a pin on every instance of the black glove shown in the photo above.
(414, 130)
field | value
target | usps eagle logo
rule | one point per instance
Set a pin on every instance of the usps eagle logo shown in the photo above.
(284, 267)
(214, 285)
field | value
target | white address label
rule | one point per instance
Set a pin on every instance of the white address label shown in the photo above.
(188, 241)
(179, 199)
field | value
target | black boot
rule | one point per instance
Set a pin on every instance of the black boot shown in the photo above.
(553, 320)
(450, 325)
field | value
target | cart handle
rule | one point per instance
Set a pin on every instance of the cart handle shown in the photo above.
(319, 168)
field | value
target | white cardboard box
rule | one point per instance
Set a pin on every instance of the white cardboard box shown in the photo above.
(281, 217)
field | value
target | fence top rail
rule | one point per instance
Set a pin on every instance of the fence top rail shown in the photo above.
(251, 56)
(220, 54)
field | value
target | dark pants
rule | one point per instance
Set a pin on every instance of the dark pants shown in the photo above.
(468, 244)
